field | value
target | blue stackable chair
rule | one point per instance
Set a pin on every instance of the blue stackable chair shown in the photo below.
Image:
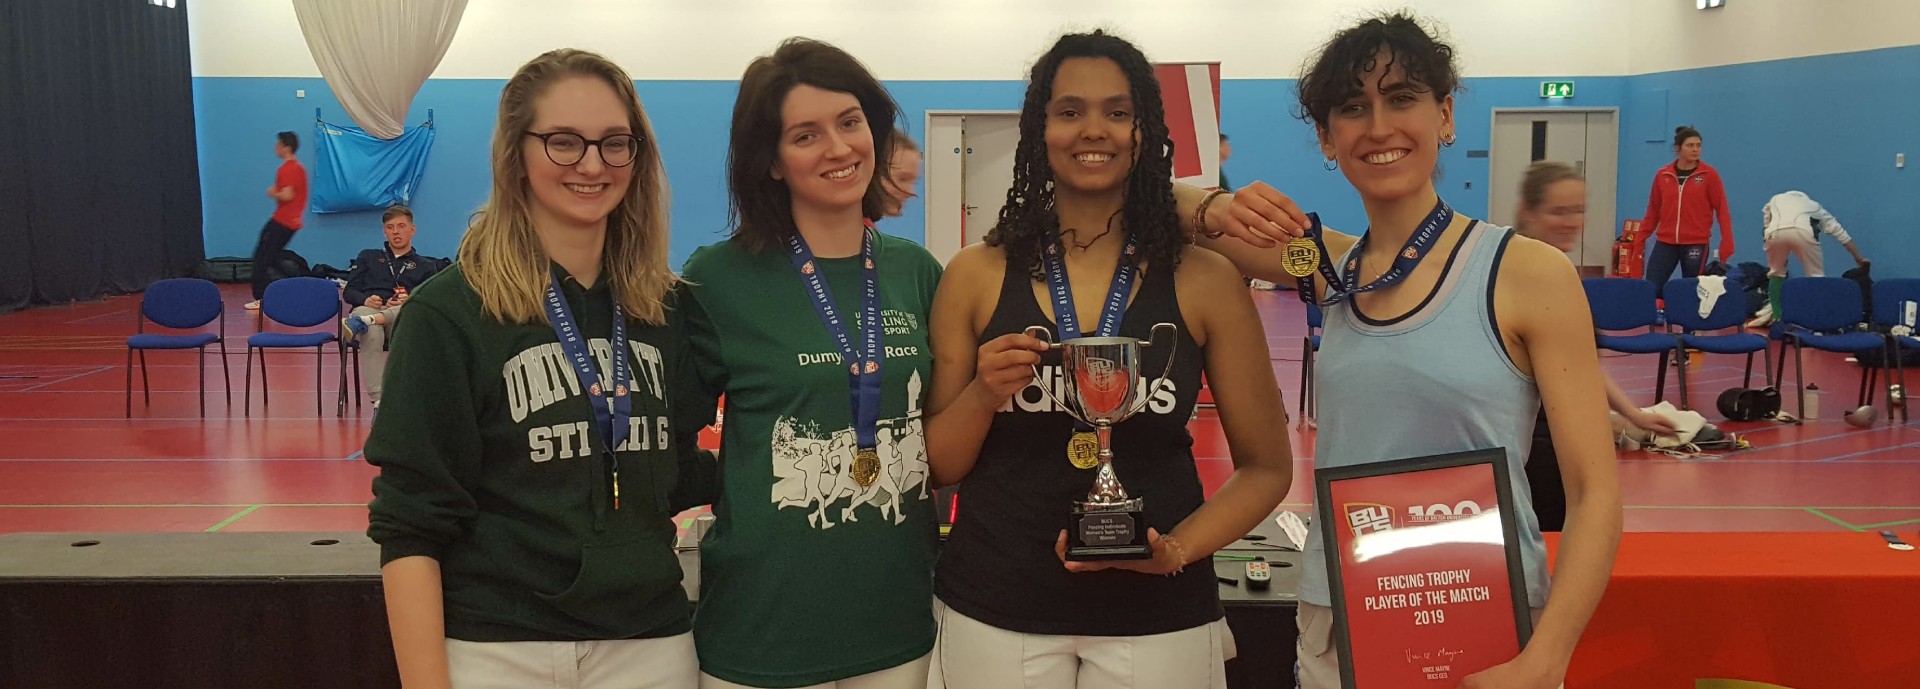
(1826, 314)
(1620, 304)
(1729, 311)
(179, 304)
(296, 303)
(1888, 296)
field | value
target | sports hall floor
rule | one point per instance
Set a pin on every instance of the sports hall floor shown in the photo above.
(70, 462)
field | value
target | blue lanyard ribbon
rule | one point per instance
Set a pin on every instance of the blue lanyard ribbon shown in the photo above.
(1066, 317)
(611, 407)
(863, 365)
(1347, 285)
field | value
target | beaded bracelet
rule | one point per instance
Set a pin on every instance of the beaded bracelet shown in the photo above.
(1200, 215)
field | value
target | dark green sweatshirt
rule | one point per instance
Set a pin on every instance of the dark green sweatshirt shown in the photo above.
(490, 464)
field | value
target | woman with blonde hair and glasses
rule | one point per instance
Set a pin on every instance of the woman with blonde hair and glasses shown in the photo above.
(527, 445)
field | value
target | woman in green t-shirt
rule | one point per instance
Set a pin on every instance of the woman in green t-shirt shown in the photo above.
(817, 570)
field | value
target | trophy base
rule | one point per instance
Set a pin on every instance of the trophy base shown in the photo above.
(1108, 531)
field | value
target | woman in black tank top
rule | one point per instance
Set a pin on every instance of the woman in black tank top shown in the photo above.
(1092, 190)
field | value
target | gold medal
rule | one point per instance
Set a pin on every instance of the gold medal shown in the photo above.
(866, 467)
(1302, 257)
(1083, 450)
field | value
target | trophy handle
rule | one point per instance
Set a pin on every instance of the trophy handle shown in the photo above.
(1044, 335)
(1173, 347)
(1041, 333)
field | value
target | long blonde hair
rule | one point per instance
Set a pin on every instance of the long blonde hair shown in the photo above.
(501, 255)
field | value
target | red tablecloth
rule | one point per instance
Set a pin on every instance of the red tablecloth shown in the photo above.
(1798, 610)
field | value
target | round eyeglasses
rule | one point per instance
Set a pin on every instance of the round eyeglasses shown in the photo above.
(568, 148)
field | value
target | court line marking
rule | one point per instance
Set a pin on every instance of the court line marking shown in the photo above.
(1883, 525)
(1868, 452)
(243, 513)
(1834, 519)
(1673, 374)
(126, 316)
(1841, 434)
(75, 376)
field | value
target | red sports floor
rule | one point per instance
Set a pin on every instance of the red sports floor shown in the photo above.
(70, 462)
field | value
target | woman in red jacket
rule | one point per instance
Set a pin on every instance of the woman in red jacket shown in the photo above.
(1687, 196)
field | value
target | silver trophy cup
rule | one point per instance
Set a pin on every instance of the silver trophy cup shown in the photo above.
(1102, 387)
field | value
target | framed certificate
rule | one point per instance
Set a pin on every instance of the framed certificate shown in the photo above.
(1424, 560)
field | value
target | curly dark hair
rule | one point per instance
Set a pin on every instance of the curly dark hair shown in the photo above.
(1335, 73)
(1028, 223)
(761, 207)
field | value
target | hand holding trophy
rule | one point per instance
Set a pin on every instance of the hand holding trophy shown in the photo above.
(1102, 387)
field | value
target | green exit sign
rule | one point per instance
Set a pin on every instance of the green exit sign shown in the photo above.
(1556, 89)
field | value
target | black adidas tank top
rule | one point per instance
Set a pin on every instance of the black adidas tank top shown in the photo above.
(999, 565)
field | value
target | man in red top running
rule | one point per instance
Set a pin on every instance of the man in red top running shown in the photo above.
(289, 191)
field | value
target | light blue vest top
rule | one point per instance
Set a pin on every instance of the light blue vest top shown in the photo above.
(1434, 382)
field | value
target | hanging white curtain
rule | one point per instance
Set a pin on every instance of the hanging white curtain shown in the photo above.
(375, 54)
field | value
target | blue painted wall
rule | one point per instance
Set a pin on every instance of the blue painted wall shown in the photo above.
(1271, 145)
(237, 118)
(1827, 125)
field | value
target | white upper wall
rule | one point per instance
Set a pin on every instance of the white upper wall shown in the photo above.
(954, 40)
(1671, 35)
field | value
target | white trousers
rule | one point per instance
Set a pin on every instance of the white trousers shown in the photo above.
(912, 675)
(667, 663)
(975, 655)
(1793, 241)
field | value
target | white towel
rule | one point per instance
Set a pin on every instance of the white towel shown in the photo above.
(1687, 422)
(1710, 289)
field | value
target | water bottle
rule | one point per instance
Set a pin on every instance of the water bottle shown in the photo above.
(1812, 393)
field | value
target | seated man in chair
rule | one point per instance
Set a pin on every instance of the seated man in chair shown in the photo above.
(377, 287)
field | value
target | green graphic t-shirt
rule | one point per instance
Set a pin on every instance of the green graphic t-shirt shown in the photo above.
(806, 576)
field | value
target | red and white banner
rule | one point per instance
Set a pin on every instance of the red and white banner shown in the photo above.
(1190, 92)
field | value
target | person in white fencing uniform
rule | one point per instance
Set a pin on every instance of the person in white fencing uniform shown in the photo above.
(1793, 222)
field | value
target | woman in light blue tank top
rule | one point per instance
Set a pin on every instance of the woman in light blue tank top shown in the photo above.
(1457, 352)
